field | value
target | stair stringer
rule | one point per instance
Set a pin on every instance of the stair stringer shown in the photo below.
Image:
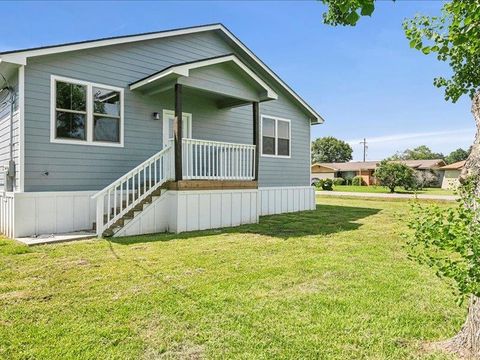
(154, 218)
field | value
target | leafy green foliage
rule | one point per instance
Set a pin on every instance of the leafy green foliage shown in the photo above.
(339, 181)
(330, 149)
(448, 240)
(392, 174)
(423, 179)
(457, 155)
(347, 12)
(421, 152)
(327, 185)
(454, 37)
(357, 181)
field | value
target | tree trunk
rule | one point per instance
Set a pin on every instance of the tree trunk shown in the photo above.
(467, 342)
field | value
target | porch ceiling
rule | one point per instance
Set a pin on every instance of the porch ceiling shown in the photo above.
(227, 76)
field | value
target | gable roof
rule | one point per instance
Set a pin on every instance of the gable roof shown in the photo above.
(455, 166)
(183, 69)
(20, 56)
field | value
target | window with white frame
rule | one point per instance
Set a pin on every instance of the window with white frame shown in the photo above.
(86, 113)
(276, 135)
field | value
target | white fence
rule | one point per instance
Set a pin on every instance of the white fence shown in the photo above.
(7, 214)
(213, 160)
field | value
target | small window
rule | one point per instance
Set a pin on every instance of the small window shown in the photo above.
(71, 111)
(275, 137)
(86, 113)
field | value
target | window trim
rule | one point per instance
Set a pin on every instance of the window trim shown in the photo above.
(276, 118)
(89, 113)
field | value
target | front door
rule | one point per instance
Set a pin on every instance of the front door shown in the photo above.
(168, 118)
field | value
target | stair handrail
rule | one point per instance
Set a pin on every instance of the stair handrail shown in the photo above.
(138, 193)
(131, 172)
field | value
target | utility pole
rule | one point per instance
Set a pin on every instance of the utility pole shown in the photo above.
(365, 147)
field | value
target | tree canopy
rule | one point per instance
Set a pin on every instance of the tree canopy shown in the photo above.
(457, 155)
(392, 174)
(421, 152)
(330, 149)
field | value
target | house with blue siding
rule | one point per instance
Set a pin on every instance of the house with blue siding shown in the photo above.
(176, 130)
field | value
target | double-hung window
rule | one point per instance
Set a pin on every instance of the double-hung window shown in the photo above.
(86, 113)
(276, 134)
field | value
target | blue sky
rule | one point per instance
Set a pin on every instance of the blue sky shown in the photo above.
(365, 81)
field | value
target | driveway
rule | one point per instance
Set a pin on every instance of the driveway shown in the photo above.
(388, 196)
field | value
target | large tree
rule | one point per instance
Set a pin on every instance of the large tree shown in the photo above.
(330, 149)
(453, 36)
(421, 152)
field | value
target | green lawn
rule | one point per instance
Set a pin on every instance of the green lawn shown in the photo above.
(382, 189)
(334, 283)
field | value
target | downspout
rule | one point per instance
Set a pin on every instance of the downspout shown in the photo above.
(11, 163)
(10, 174)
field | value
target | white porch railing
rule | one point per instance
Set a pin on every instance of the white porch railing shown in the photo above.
(213, 160)
(125, 193)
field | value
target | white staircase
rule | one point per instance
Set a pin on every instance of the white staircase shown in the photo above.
(128, 196)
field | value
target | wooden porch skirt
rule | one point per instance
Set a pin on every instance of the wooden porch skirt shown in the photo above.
(211, 184)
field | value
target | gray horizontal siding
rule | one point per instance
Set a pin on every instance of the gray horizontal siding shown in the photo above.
(80, 167)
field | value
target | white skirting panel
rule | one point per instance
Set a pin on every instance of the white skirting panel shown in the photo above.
(277, 200)
(7, 211)
(39, 213)
(199, 210)
(178, 211)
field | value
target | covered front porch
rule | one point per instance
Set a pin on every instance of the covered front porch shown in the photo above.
(228, 83)
(224, 86)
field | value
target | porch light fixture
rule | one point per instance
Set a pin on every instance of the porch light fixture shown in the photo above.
(156, 116)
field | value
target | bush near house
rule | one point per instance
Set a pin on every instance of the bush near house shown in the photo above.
(358, 181)
(422, 180)
(338, 181)
(327, 185)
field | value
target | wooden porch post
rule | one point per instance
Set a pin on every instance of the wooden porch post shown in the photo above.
(256, 136)
(177, 132)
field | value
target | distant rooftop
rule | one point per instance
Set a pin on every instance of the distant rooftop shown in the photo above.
(372, 165)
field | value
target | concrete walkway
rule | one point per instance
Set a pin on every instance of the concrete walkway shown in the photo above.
(57, 238)
(388, 196)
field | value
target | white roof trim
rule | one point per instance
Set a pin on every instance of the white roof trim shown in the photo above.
(184, 70)
(20, 57)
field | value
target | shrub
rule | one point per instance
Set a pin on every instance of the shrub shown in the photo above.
(423, 179)
(348, 181)
(319, 183)
(327, 184)
(338, 181)
(357, 181)
(392, 174)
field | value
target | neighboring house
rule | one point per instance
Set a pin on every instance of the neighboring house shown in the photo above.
(451, 174)
(366, 169)
(96, 137)
(346, 170)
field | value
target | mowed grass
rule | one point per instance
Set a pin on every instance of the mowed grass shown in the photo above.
(334, 283)
(384, 190)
